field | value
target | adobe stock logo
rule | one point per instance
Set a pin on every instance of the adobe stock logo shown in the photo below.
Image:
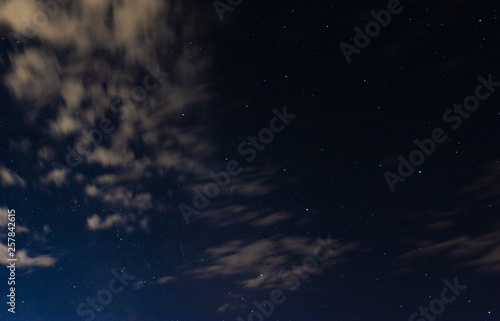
(372, 29)
(221, 7)
(89, 140)
(454, 116)
(104, 296)
(437, 306)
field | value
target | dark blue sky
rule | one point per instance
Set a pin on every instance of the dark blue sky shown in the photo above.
(155, 174)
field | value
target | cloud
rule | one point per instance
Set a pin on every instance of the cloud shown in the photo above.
(259, 264)
(144, 224)
(96, 223)
(97, 52)
(109, 158)
(45, 153)
(120, 195)
(65, 124)
(9, 178)
(25, 261)
(449, 240)
(251, 182)
(223, 308)
(481, 253)
(230, 214)
(34, 75)
(272, 219)
(22, 145)
(4, 221)
(107, 179)
(56, 177)
(166, 279)
(486, 187)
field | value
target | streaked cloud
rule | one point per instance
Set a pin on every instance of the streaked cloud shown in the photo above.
(95, 222)
(120, 195)
(166, 279)
(24, 260)
(25, 257)
(447, 239)
(259, 263)
(9, 178)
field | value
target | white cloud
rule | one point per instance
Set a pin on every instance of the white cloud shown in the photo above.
(96, 223)
(23, 259)
(9, 178)
(26, 261)
(57, 177)
(120, 195)
(166, 279)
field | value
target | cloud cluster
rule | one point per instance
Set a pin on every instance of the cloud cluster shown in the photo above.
(24, 260)
(120, 195)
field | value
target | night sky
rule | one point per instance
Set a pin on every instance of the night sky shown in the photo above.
(250, 160)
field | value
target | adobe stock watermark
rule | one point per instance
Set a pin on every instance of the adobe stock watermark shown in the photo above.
(222, 179)
(104, 296)
(48, 9)
(437, 306)
(416, 158)
(372, 29)
(91, 139)
(221, 7)
(293, 279)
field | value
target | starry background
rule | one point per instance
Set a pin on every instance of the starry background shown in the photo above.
(322, 175)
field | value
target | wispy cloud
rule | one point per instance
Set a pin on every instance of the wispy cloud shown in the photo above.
(259, 263)
(96, 223)
(446, 237)
(24, 259)
(9, 178)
